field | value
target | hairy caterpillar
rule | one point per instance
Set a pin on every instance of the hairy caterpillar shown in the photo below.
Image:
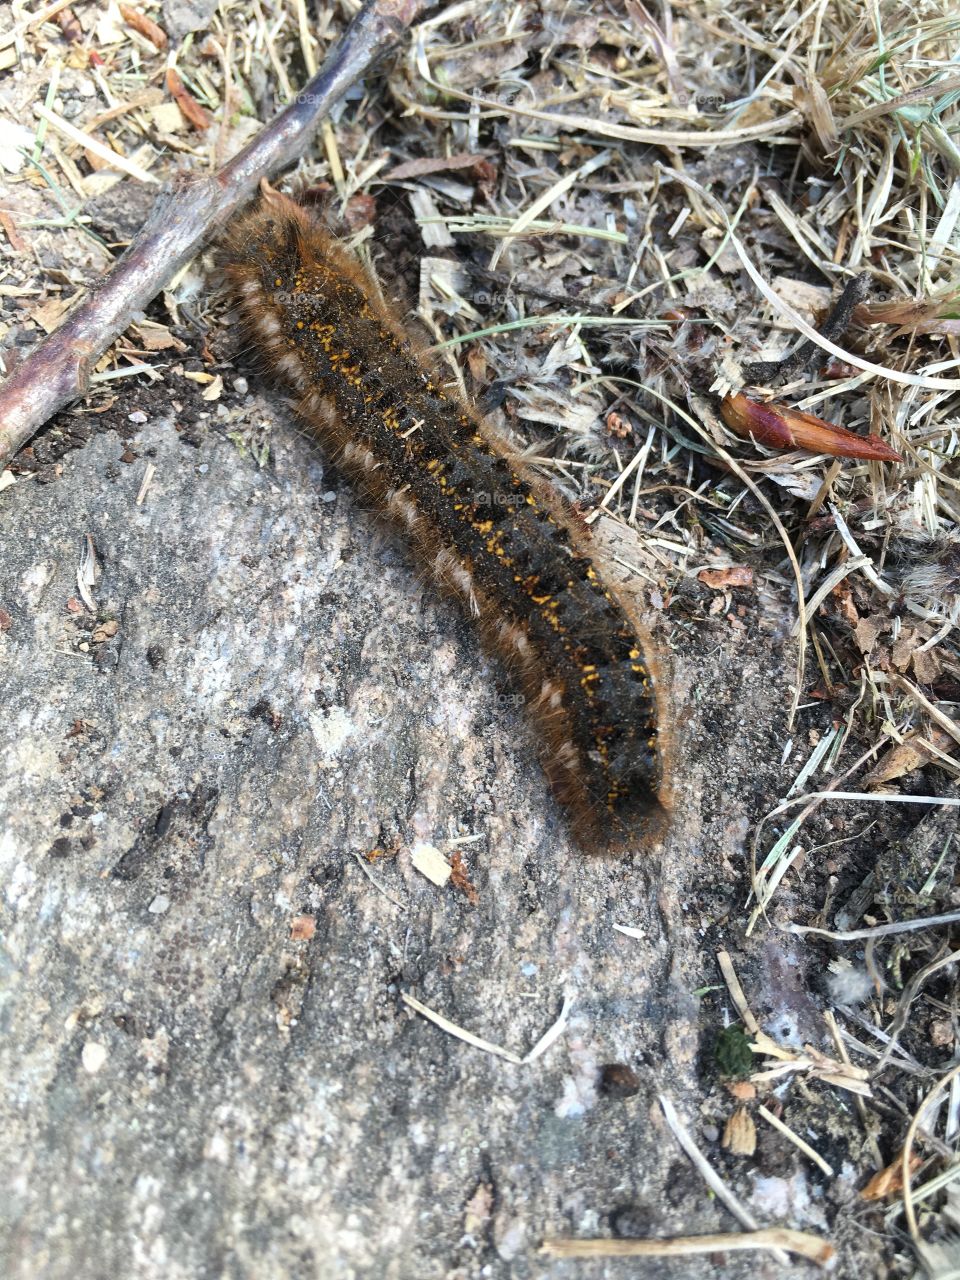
(491, 531)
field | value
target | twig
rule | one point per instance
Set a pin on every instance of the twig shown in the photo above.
(377, 885)
(98, 148)
(552, 1034)
(736, 992)
(707, 1171)
(946, 724)
(910, 993)
(57, 371)
(767, 372)
(783, 308)
(796, 1139)
(801, 1242)
(861, 1106)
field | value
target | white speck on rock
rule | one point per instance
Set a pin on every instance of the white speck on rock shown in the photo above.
(33, 583)
(22, 877)
(787, 1198)
(159, 905)
(330, 730)
(570, 1104)
(513, 1240)
(93, 1056)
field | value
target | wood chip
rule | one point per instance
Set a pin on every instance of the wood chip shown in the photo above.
(889, 1181)
(433, 164)
(740, 1134)
(431, 863)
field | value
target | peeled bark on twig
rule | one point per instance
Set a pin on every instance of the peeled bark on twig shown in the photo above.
(57, 371)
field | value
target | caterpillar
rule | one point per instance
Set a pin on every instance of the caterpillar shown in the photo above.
(491, 531)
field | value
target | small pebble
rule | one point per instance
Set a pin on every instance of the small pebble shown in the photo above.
(329, 496)
(159, 905)
(617, 1080)
(240, 386)
(93, 1056)
(137, 416)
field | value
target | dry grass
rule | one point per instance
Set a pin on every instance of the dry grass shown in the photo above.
(618, 207)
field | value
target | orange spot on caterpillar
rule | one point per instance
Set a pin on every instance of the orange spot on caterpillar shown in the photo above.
(491, 531)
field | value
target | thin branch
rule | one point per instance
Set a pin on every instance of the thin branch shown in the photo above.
(801, 1242)
(766, 372)
(182, 218)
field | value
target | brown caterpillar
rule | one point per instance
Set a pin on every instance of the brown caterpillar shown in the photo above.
(492, 532)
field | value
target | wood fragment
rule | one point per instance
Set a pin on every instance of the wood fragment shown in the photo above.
(889, 1181)
(778, 1238)
(765, 372)
(487, 1046)
(740, 1133)
(97, 148)
(736, 992)
(795, 1138)
(707, 1171)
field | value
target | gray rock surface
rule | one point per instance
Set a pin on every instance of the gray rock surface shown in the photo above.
(208, 1067)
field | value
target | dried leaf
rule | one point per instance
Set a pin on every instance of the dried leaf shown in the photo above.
(907, 756)
(433, 164)
(198, 116)
(843, 596)
(868, 629)
(146, 26)
(927, 667)
(360, 212)
(889, 1181)
(735, 575)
